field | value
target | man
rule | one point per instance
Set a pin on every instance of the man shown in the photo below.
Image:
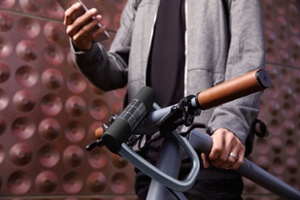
(181, 47)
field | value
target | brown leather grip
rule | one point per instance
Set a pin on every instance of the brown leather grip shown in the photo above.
(243, 85)
(99, 132)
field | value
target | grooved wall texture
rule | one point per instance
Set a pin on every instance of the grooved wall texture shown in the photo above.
(279, 152)
(49, 111)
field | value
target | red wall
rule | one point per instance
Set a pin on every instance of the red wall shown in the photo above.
(49, 111)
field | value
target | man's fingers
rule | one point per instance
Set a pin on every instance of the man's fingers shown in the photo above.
(74, 25)
(238, 161)
(69, 13)
(205, 161)
(89, 29)
(227, 150)
(217, 147)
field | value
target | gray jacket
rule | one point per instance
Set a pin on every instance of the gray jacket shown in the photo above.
(224, 39)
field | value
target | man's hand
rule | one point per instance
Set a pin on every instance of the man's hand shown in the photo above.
(227, 151)
(84, 29)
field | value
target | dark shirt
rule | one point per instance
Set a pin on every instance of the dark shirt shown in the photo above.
(165, 73)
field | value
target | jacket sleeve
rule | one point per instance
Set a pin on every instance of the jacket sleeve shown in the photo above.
(109, 70)
(246, 53)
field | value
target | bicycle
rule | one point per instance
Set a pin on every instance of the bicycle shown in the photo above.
(144, 116)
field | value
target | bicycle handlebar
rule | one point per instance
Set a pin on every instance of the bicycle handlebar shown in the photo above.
(243, 85)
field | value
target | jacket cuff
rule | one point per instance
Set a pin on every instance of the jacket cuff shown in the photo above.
(80, 56)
